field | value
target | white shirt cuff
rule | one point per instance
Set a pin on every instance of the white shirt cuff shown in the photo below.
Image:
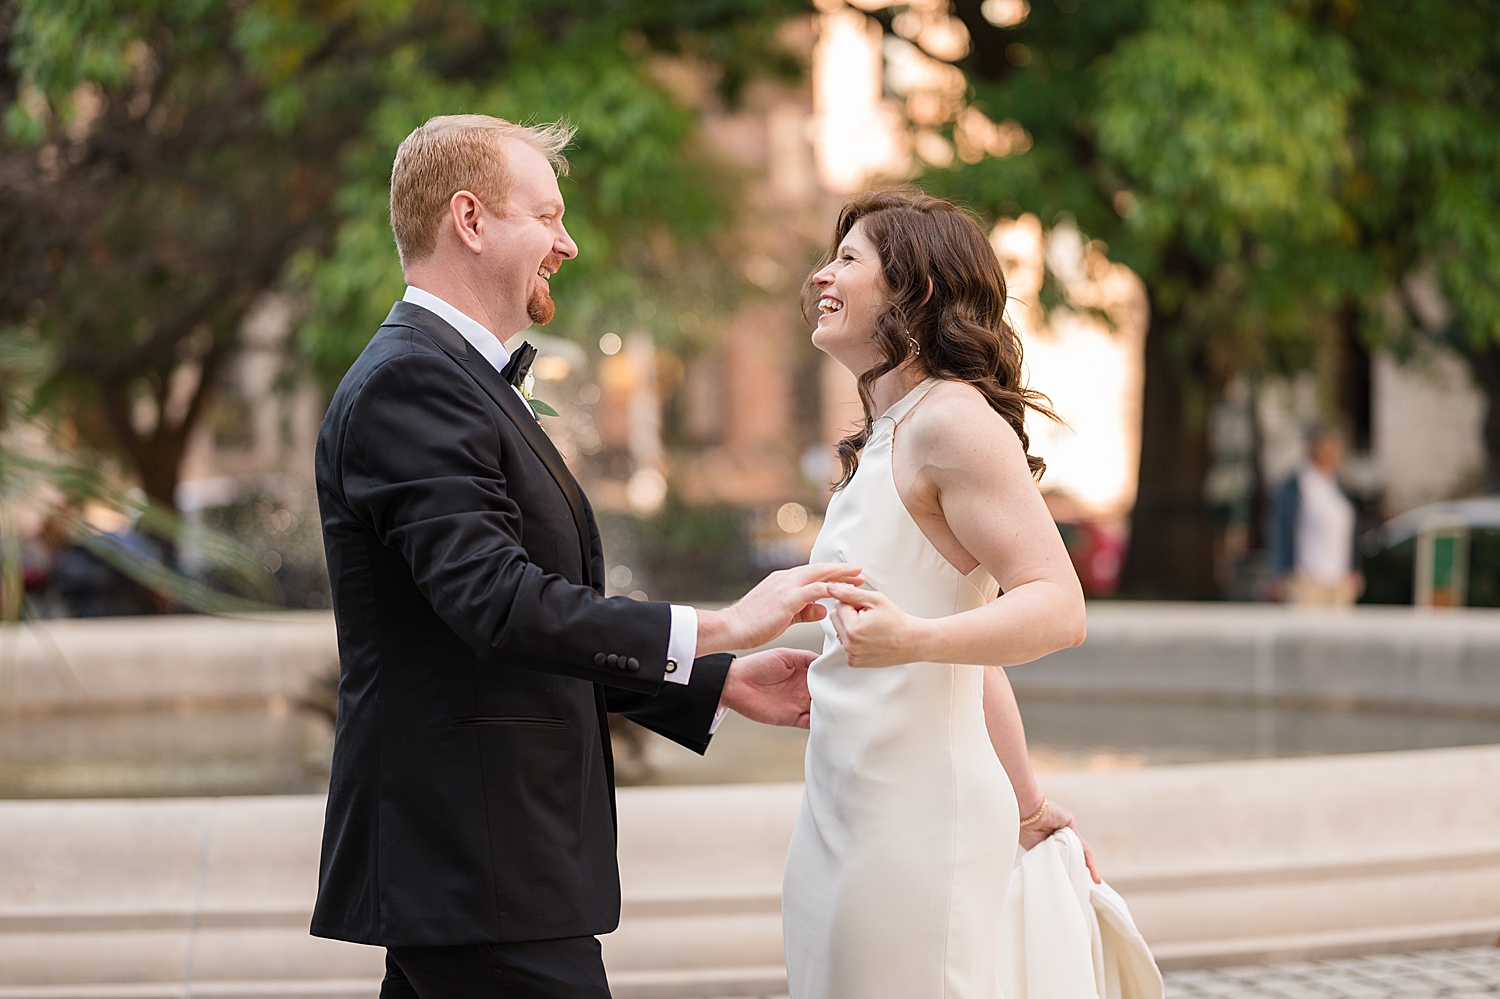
(718, 717)
(682, 646)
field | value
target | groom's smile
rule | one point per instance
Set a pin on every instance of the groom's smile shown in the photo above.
(531, 242)
(539, 307)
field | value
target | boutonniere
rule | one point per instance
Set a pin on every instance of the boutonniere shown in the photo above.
(539, 408)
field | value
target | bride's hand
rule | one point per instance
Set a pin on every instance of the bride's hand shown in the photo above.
(1054, 818)
(872, 629)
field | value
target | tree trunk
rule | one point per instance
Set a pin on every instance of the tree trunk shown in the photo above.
(157, 455)
(1171, 553)
(1487, 366)
(1260, 499)
(987, 42)
(1355, 380)
(158, 461)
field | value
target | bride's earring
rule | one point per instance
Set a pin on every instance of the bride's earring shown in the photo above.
(916, 348)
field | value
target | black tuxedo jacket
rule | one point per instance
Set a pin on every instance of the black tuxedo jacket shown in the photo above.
(472, 794)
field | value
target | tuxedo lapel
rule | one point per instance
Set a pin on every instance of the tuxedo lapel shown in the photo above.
(510, 403)
(520, 414)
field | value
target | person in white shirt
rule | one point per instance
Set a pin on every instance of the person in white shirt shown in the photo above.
(1313, 526)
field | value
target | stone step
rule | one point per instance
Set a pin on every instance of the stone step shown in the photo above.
(739, 983)
(1221, 863)
(1330, 944)
(307, 988)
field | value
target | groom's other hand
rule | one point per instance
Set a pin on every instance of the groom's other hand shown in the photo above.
(780, 600)
(770, 687)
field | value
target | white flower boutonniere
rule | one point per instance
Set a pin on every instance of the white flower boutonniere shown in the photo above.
(539, 408)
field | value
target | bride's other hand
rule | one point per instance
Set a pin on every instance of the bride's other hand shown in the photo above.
(1054, 818)
(872, 629)
(770, 687)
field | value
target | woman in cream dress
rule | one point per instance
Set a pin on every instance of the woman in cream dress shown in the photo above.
(918, 781)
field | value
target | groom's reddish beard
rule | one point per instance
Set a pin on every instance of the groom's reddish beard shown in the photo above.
(540, 308)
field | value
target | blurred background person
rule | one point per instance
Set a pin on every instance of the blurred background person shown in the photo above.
(66, 580)
(1313, 527)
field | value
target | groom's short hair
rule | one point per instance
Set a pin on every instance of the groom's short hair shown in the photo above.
(459, 152)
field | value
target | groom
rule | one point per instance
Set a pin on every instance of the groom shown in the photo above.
(470, 827)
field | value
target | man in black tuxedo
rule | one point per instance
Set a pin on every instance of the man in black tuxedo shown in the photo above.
(470, 827)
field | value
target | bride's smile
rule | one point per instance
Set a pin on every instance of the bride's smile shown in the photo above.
(851, 293)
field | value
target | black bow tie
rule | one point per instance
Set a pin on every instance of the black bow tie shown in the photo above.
(519, 364)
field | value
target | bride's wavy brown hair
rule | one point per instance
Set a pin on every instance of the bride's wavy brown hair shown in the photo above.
(959, 326)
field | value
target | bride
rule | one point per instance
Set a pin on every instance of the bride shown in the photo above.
(918, 782)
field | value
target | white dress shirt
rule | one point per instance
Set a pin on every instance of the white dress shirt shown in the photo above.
(1325, 528)
(682, 644)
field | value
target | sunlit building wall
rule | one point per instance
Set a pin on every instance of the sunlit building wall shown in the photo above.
(857, 135)
(1089, 366)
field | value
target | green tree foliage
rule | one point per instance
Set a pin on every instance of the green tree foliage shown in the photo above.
(1425, 190)
(1274, 170)
(166, 162)
(161, 161)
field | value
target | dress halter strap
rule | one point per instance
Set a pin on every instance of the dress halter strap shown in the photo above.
(903, 406)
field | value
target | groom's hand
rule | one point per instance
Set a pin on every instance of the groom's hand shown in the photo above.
(781, 600)
(770, 687)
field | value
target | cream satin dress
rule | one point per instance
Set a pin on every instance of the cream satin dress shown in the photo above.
(896, 877)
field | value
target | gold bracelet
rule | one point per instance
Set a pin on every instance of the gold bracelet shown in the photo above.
(1036, 816)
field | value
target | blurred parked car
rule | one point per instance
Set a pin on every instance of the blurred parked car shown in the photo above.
(1097, 551)
(1466, 533)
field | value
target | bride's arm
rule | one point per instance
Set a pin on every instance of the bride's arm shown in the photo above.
(972, 474)
(1002, 719)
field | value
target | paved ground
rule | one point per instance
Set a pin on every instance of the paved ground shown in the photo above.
(1472, 973)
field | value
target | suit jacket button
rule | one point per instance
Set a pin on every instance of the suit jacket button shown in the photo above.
(598, 659)
(671, 666)
(612, 659)
(633, 664)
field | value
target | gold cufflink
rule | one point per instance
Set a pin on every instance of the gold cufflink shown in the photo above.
(671, 665)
